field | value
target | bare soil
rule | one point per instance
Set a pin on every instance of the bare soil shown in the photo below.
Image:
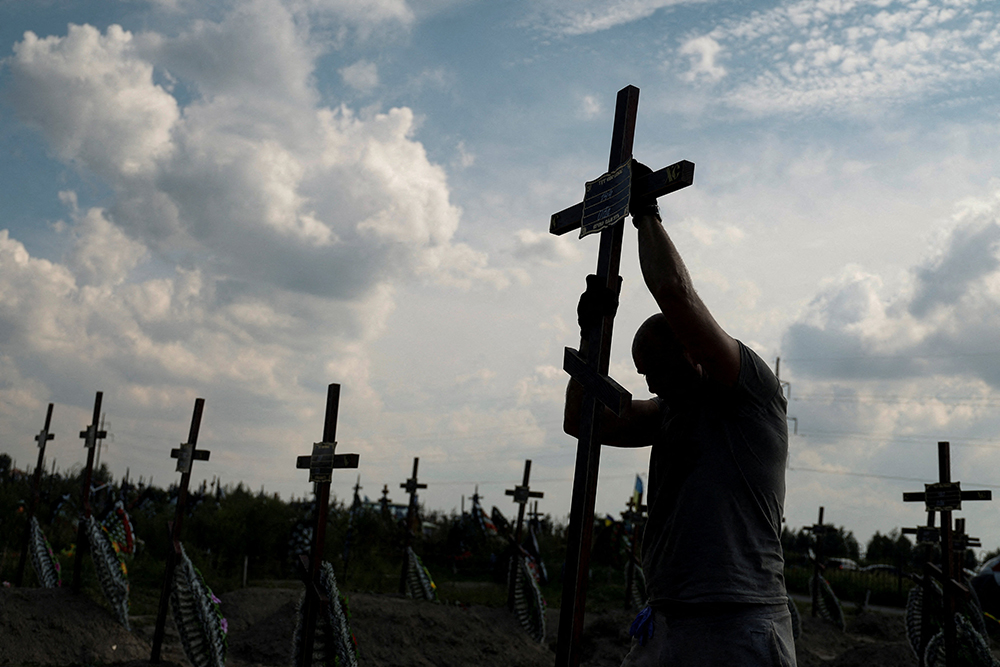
(56, 628)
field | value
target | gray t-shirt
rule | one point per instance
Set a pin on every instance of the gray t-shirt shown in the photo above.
(717, 493)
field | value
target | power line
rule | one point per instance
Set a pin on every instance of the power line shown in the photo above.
(922, 480)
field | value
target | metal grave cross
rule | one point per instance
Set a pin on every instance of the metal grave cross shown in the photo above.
(185, 455)
(521, 495)
(592, 371)
(412, 516)
(384, 501)
(90, 437)
(945, 497)
(321, 464)
(42, 438)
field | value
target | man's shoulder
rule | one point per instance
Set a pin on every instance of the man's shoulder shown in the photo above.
(756, 378)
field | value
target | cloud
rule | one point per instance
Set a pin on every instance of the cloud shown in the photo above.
(942, 323)
(703, 50)
(814, 55)
(253, 237)
(591, 16)
(362, 76)
(545, 248)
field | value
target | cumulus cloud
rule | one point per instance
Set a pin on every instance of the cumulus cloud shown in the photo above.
(943, 323)
(253, 237)
(533, 246)
(362, 76)
(810, 55)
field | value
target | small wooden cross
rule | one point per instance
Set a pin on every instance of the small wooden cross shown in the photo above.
(945, 497)
(90, 437)
(819, 531)
(187, 454)
(412, 516)
(521, 495)
(534, 516)
(384, 502)
(592, 372)
(42, 438)
(633, 515)
(321, 464)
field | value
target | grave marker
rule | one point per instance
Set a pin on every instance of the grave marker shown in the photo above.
(42, 438)
(90, 437)
(634, 515)
(592, 371)
(521, 495)
(385, 500)
(412, 515)
(819, 531)
(185, 455)
(945, 497)
(321, 464)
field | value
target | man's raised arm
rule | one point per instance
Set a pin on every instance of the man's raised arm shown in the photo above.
(669, 282)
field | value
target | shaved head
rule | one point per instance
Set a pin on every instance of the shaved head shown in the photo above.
(661, 359)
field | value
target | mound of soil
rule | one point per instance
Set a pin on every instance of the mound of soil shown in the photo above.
(56, 628)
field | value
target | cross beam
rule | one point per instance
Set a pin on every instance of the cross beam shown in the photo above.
(42, 438)
(90, 437)
(597, 348)
(185, 455)
(321, 464)
(945, 497)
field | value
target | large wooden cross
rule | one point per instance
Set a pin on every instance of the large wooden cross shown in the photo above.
(945, 497)
(592, 372)
(412, 515)
(90, 437)
(321, 464)
(819, 531)
(42, 438)
(185, 455)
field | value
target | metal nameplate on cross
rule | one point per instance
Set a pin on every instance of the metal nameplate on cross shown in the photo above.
(323, 461)
(91, 435)
(592, 372)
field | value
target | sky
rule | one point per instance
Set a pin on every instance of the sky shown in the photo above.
(246, 201)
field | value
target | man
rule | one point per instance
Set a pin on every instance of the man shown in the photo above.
(711, 550)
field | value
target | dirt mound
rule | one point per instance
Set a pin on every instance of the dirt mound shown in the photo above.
(52, 626)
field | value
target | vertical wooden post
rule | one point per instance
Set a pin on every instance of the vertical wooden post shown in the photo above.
(187, 453)
(43, 437)
(90, 437)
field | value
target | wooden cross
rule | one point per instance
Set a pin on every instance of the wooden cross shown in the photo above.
(357, 499)
(185, 455)
(321, 464)
(634, 516)
(384, 502)
(349, 535)
(945, 497)
(521, 495)
(819, 531)
(42, 438)
(592, 371)
(412, 515)
(90, 437)
(534, 516)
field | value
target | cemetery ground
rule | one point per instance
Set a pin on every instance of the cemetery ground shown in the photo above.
(229, 527)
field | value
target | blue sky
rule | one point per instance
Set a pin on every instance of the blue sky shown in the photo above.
(247, 201)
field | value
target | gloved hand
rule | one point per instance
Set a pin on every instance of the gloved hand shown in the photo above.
(596, 302)
(639, 204)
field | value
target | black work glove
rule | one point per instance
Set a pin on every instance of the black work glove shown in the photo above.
(640, 204)
(596, 302)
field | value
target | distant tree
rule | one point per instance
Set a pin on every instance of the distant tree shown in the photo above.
(4, 465)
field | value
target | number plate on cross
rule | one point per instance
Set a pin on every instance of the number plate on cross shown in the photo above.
(606, 200)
